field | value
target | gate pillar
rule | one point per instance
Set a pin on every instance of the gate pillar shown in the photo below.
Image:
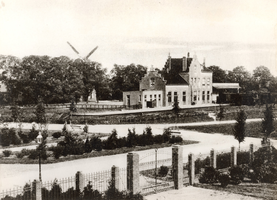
(133, 172)
(177, 166)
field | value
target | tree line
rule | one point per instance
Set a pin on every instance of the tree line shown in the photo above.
(61, 79)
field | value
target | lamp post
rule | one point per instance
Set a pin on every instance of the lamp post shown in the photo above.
(39, 141)
(156, 173)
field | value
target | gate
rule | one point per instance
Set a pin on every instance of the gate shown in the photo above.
(155, 171)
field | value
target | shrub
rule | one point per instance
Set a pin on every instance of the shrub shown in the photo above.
(237, 174)
(210, 175)
(32, 134)
(268, 173)
(5, 139)
(7, 153)
(175, 139)
(57, 134)
(158, 139)
(201, 164)
(223, 160)
(224, 179)
(166, 134)
(163, 171)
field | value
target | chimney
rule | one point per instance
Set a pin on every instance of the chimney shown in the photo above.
(188, 54)
(184, 67)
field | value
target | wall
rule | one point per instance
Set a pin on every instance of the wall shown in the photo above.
(179, 89)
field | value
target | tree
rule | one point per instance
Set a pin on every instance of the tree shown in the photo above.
(239, 130)
(219, 75)
(221, 112)
(176, 108)
(131, 138)
(125, 78)
(40, 113)
(267, 122)
(111, 142)
(16, 112)
(262, 76)
(242, 76)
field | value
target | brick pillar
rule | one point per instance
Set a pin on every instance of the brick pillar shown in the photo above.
(213, 158)
(37, 186)
(191, 169)
(251, 154)
(80, 181)
(177, 166)
(115, 177)
(133, 173)
(233, 156)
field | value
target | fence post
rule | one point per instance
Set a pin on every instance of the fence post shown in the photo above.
(233, 156)
(80, 181)
(251, 154)
(37, 186)
(213, 158)
(177, 166)
(133, 173)
(115, 176)
(191, 169)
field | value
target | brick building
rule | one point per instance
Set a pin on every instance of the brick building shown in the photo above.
(185, 80)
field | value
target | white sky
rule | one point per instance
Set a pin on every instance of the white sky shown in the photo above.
(226, 33)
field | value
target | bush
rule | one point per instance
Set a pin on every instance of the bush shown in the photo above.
(210, 175)
(224, 179)
(175, 139)
(223, 160)
(163, 171)
(5, 139)
(7, 153)
(237, 174)
(201, 164)
(268, 173)
(57, 135)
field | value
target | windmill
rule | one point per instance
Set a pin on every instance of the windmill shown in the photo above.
(84, 58)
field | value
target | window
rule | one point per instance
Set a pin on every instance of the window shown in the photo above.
(203, 81)
(208, 95)
(169, 96)
(194, 96)
(155, 96)
(159, 97)
(203, 95)
(145, 97)
(175, 96)
(184, 97)
(150, 97)
(152, 81)
(208, 81)
(198, 95)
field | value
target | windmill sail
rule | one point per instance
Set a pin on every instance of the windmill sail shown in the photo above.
(73, 48)
(93, 50)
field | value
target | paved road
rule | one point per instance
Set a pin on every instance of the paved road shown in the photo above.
(18, 174)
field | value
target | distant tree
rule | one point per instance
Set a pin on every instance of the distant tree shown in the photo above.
(175, 107)
(40, 113)
(149, 139)
(131, 138)
(242, 76)
(125, 78)
(16, 112)
(268, 122)
(111, 142)
(262, 76)
(219, 75)
(221, 113)
(239, 130)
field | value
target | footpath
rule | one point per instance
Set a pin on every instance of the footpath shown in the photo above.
(195, 193)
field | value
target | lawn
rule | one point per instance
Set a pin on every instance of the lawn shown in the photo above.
(253, 129)
(259, 190)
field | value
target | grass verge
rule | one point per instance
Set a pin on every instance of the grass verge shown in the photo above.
(253, 129)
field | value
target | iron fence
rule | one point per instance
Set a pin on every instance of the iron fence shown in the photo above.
(99, 180)
(19, 193)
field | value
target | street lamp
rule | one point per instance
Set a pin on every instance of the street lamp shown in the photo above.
(156, 170)
(39, 141)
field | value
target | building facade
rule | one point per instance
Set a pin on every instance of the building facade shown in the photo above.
(184, 79)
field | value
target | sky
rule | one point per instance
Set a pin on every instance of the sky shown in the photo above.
(221, 32)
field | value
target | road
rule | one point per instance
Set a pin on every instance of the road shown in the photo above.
(13, 175)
